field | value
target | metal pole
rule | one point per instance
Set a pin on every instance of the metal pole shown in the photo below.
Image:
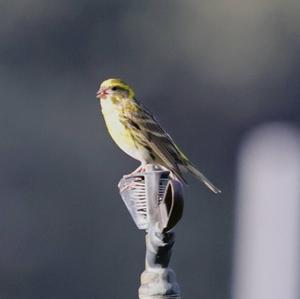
(155, 203)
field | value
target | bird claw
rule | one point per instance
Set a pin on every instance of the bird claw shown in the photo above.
(129, 186)
(141, 168)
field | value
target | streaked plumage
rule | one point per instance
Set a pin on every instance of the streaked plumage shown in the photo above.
(139, 134)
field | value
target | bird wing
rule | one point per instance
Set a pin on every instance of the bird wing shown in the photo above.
(152, 135)
(158, 141)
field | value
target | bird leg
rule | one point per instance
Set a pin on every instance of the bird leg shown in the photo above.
(141, 168)
(131, 185)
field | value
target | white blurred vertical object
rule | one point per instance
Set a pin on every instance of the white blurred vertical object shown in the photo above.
(267, 226)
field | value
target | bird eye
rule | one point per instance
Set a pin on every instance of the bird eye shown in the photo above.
(114, 88)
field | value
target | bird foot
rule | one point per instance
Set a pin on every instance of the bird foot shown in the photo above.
(129, 186)
(141, 168)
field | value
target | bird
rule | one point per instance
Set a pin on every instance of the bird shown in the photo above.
(138, 133)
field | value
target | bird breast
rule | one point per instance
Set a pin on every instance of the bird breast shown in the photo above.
(121, 135)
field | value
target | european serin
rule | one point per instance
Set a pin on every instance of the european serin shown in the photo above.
(139, 134)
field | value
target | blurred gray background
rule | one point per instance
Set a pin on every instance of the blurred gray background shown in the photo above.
(209, 70)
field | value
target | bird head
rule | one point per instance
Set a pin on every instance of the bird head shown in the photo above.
(115, 88)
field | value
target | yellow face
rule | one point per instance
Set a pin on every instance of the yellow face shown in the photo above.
(114, 88)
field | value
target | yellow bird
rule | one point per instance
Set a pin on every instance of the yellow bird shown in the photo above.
(138, 133)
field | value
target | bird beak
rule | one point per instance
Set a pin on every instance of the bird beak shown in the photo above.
(101, 93)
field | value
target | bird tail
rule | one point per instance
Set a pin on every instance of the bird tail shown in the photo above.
(194, 171)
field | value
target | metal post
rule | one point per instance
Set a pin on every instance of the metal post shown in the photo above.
(155, 202)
